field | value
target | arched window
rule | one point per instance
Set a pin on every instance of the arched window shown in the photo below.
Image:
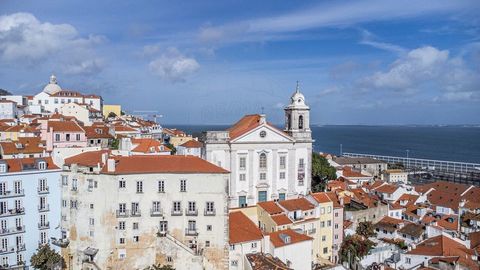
(263, 161)
(300, 122)
(288, 122)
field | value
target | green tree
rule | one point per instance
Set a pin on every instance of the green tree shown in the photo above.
(366, 229)
(46, 259)
(115, 143)
(112, 115)
(322, 171)
(173, 149)
(159, 267)
(355, 247)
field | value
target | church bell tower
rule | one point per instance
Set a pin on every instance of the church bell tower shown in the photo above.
(297, 118)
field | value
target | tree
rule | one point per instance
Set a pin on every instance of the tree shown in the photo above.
(355, 246)
(46, 259)
(112, 115)
(171, 147)
(115, 144)
(159, 267)
(322, 171)
(366, 229)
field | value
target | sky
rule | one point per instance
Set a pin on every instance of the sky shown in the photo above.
(371, 62)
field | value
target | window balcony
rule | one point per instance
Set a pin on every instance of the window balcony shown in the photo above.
(43, 190)
(13, 212)
(191, 232)
(20, 247)
(191, 212)
(63, 242)
(44, 208)
(43, 225)
(121, 214)
(312, 231)
(7, 250)
(136, 213)
(156, 212)
(9, 193)
(210, 212)
(14, 230)
(177, 212)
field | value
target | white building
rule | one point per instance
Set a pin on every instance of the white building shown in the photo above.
(192, 147)
(290, 247)
(84, 113)
(159, 210)
(29, 208)
(244, 238)
(394, 176)
(52, 98)
(8, 109)
(266, 163)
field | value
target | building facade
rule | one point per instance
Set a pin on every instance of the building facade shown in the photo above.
(266, 163)
(160, 210)
(29, 208)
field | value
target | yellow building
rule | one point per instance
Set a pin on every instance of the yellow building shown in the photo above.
(116, 109)
(325, 226)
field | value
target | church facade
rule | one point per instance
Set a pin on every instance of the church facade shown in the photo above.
(265, 162)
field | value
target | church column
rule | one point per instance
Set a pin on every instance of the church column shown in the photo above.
(274, 175)
(251, 182)
(292, 172)
(233, 175)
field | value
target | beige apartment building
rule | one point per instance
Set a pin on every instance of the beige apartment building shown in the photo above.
(129, 212)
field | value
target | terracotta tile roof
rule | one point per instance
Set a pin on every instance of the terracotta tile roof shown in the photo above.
(262, 261)
(335, 184)
(242, 229)
(97, 132)
(387, 188)
(149, 146)
(350, 173)
(374, 185)
(412, 229)
(407, 199)
(334, 198)
(124, 129)
(296, 204)
(163, 164)
(389, 223)
(247, 123)
(192, 144)
(443, 246)
(64, 126)
(428, 219)
(445, 199)
(321, 197)
(448, 222)
(276, 240)
(281, 219)
(87, 159)
(31, 145)
(347, 224)
(23, 164)
(174, 132)
(271, 207)
(67, 93)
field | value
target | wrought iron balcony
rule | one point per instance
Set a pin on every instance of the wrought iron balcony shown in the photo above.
(43, 190)
(191, 232)
(13, 212)
(43, 225)
(124, 213)
(43, 208)
(177, 212)
(156, 212)
(191, 212)
(210, 212)
(21, 247)
(6, 231)
(136, 213)
(9, 193)
(63, 242)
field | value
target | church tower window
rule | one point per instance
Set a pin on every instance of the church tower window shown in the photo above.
(300, 122)
(263, 161)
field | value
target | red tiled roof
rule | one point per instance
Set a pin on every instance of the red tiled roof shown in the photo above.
(281, 219)
(247, 123)
(27, 145)
(97, 132)
(271, 207)
(192, 144)
(387, 188)
(64, 126)
(147, 145)
(242, 229)
(163, 164)
(349, 172)
(294, 238)
(19, 164)
(296, 204)
(321, 197)
(88, 159)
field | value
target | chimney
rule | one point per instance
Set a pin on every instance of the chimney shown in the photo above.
(104, 158)
(263, 119)
(111, 165)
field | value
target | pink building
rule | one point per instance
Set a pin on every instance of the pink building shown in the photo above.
(64, 134)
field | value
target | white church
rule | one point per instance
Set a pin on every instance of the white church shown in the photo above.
(266, 163)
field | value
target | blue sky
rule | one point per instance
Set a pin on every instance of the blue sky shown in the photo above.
(205, 62)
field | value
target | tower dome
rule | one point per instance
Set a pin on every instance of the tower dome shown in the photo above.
(52, 87)
(297, 99)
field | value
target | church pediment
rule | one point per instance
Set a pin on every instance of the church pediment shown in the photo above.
(264, 133)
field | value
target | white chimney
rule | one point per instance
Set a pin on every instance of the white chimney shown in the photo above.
(104, 158)
(111, 165)
(263, 119)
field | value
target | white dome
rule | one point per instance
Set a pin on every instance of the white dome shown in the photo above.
(52, 87)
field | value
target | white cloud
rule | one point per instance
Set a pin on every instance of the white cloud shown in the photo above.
(26, 40)
(173, 65)
(428, 69)
(369, 39)
(89, 66)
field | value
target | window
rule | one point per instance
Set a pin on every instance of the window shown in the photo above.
(192, 207)
(408, 260)
(42, 165)
(161, 186)
(139, 187)
(263, 176)
(92, 222)
(74, 184)
(169, 259)
(78, 137)
(262, 196)
(91, 206)
(282, 175)
(192, 225)
(242, 201)
(325, 250)
(283, 162)
(329, 223)
(67, 137)
(156, 206)
(122, 208)
(234, 263)
(65, 180)
(336, 225)
(183, 185)
(177, 206)
(3, 168)
(301, 163)
(135, 225)
(43, 237)
(135, 208)
(121, 240)
(57, 137)
(209, 228)
(122, 184)
(322, 224)
(243, 177)
(263, 161)
(324, 238)
(163, 226)
(281, 196)
(254, 245)
(329, 209)
(42, 185)
(300, 122)
(243, 163)
(17, 185)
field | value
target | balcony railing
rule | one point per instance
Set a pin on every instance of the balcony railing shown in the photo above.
(13, 212)
(43, 225)
(191, 212)
(136, 213)
(6, 231)
(20, 247)
(43, 208)
(9, 193)
(156, 212)
(191, 232)
(210, 212)
(122, 213)
(63, 242)
(312, 231)
(177, 212)
(43, 190)
(7, 250)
